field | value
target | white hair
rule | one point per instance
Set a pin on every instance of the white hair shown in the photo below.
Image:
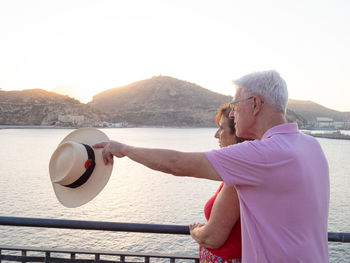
(267, 84)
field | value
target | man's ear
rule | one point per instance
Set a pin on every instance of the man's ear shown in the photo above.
(256, 105)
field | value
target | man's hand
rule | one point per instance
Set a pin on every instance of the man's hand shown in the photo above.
(110, 149)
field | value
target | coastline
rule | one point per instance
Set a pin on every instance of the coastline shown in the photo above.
(73, 127)
(337, 135)
(33, 127)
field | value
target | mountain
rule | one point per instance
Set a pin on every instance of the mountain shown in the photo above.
(161, 101)
(40, 107)
(157, 101)
(165, 101)
(311, 110)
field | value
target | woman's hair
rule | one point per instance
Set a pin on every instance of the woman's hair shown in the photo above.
(224, 111)
(268, 84)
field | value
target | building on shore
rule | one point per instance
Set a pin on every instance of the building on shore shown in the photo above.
(115, 125)
(324, 123)
(73, 119)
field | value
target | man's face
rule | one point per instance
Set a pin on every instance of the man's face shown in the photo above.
(242, 109)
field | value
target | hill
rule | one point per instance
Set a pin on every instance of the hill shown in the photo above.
(161, 101)
(165, 101)
(311, 110)
(40, 107)
(157, 101)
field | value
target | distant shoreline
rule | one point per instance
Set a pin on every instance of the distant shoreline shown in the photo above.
(327, 135)
(335, 136)
(33, 127)
(61, 127)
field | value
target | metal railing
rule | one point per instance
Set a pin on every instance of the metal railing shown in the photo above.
(68, 255)
(30, 254)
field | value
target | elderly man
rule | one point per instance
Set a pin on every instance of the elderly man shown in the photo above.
(281, 177)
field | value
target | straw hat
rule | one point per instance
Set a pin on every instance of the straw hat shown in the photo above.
(77, 170)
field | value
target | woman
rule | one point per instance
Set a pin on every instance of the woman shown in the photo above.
(220, 237)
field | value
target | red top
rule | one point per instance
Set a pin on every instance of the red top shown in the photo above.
(232, 249)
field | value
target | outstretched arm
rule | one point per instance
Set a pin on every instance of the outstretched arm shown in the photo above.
(223, 217)
(167, 161)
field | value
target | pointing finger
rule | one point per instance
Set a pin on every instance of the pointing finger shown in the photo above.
(100, 145)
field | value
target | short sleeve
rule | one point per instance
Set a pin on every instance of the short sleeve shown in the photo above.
(239, 164)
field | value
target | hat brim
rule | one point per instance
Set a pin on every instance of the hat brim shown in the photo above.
(74, 197)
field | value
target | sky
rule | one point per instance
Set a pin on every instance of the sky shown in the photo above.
(83, 47)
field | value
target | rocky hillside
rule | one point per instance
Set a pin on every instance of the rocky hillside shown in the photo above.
(39, 107)
(161, 101)
(158, 101)
(311, 110)
(292, 116)
(165, 101)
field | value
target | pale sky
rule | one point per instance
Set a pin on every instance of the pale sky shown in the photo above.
(88, 46)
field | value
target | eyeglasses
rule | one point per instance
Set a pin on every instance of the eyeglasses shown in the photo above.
(232, 104)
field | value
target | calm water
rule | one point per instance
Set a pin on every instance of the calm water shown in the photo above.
(134, 193)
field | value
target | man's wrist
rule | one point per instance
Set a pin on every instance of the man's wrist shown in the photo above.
(125, 149)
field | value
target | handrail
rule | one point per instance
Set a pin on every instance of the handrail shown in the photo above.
(339, 237)
(94, 225)
(123, 227)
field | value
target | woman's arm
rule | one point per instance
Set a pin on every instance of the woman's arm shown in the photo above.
(223, 217)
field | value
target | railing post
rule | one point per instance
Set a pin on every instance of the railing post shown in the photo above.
(146, 260)
(47, 257)
(122, 258)
(24, 255)
(97, 257)
(72, 256)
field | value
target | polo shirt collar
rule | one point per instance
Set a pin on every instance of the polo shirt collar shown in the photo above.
(286, 128)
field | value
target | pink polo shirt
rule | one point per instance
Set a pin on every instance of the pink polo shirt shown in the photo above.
(283, 185)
